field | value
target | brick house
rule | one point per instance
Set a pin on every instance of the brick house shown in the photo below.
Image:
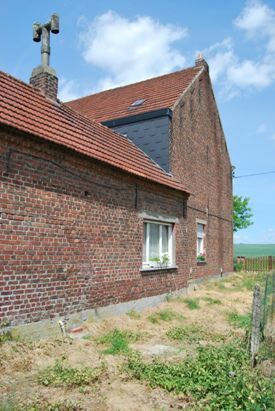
(110, 198)
(175, 121)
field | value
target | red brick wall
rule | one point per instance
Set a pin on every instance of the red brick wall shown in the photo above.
(199, 158)
(70, 233)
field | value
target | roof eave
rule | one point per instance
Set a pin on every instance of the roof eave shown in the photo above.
(176, 186)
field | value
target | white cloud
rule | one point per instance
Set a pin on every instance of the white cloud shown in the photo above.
(257, 21)
(130, 50)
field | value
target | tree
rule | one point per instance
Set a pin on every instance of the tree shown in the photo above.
(241, 213)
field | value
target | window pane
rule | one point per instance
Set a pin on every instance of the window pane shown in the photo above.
(144, 241)
(165, 239)
(154, 241)
(200, 230)
(199, 245)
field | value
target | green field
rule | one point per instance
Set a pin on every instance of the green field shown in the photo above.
(254, 250)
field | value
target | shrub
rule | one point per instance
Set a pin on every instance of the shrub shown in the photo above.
(237, 266)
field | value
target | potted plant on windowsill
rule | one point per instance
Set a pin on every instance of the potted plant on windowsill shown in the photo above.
(201, 258)
(162, 262)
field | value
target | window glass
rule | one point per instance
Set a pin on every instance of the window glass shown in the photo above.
(153, 241)
(165, 229)
(201, 255)
(157, 244)
(200, 230)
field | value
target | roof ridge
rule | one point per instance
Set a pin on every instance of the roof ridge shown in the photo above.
(131, 84)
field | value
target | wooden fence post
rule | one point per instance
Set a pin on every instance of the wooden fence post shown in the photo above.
(270, 263)
(256, 324)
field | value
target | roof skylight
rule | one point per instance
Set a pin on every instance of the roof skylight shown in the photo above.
(138, 103)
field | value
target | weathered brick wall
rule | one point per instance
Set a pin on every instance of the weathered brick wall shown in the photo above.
(200, 159)
(70, 233)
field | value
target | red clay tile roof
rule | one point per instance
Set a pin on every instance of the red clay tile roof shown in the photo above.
(24, 108)
(158, 93)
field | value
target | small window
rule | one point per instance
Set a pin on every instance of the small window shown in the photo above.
(157, 245)
(201, 254)
(138, 103)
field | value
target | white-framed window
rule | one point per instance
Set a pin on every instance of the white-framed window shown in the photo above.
(157, 244)
(201, 252)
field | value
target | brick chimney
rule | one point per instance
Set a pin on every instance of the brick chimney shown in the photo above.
(45, 80)
(200, 62)
(44, 77)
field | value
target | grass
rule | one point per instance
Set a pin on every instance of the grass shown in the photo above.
(134, 315)
(6, 336)
(238, 283)
(210, 371)
(40, 405)
(61, 375)
(254, 250)
(192, 303)
(118, 341)
(163, 315)
(193, 333)
(217, 378)
(212, 301)
(187, 333)
(168, 297)
(239, 320)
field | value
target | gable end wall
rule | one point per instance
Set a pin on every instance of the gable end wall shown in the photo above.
(199, 158)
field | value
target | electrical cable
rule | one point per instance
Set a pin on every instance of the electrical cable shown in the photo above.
(256, 174)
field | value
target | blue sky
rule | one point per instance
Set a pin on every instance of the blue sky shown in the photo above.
(106, 43)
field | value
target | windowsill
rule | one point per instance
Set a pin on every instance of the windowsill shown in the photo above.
(150, 269)
(201, 262)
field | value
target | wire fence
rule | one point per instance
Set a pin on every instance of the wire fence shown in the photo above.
(263, 322)
(268, 304)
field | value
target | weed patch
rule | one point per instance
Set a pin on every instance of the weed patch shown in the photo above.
(212, 301)
(64, 376)
(216, 379)
(163, 315)
(6, 336)
(187, 333)
(239, 320)
(41, 405)
(168, 297)
(133, 314)
(192, 333)
(192, 303)
(118, 341)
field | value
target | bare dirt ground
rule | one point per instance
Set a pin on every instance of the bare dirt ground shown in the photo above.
(21, 361)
